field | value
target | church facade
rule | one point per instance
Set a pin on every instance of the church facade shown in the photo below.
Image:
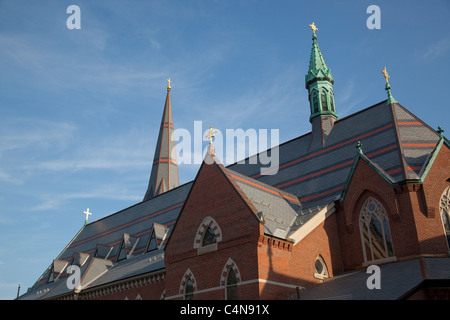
(368, 192)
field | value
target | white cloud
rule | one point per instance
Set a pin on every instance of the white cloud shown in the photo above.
(437, 49)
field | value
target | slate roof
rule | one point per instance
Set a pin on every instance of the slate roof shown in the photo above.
(398, 143)
(397, 280)
(136, 221)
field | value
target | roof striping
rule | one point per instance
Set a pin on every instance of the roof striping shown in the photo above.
(264, 188)
(325, 193)
(126, 225)
(337, 145)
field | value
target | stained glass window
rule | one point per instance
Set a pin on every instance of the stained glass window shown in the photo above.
(444, 208)
(375, 232)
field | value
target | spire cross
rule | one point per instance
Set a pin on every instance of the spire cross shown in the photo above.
(87, 213)
(313, 27)
(359, 146)
(440, 131)
(168, 84)
(209, 135)
(385, 74)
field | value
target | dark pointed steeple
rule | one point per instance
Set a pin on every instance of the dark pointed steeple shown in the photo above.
(319, 83)
(164, 175)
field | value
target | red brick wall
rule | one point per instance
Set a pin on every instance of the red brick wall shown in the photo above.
(213, 195)
(426, 205)
(414, 228)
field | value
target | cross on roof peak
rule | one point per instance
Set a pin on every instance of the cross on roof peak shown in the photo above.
(87, 213)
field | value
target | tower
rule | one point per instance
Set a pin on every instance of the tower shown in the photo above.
(164, 174)
(319, 83)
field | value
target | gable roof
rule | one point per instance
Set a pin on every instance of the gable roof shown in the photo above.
(136, 220)
(395, 142)
(391, 136)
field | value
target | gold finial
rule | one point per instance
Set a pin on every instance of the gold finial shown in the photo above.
(385, 74)
(313, 27)
(209, 135)
(168, 84)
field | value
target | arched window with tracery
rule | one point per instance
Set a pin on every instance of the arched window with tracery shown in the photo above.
(375, 232)
(444, 208)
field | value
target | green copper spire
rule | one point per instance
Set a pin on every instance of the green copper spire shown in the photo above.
(319, 82)
(388, 87)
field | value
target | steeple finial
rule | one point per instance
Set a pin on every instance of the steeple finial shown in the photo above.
(440, 131)
(359, 147)
(388, 86)
(209, 135)
(164, 173)
(313, 27)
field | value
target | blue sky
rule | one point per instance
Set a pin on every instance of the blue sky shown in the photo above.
(80, 109)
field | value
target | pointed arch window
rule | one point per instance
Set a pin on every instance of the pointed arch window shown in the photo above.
(444, 208)
(375, 232)
(208, 236)
(315, 101)
(231, 284)
(189, 289)
(332, 101)
(188, 285)
(230, 277)
(323, 98)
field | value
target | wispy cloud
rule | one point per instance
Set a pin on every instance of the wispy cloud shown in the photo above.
(437, 49)
(23, 133)
(58, 200)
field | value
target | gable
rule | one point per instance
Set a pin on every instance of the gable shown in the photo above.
(213, 194)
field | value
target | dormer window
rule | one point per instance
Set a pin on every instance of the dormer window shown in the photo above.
(103, 251)
(127, 247)
(158, 234)
(57, 269)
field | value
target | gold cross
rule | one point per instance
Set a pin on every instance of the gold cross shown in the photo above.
(210, 134)
(168, 83)
(385, 74)
(313, 28)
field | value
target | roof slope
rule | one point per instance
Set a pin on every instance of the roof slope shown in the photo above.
(136, 221)
(391, 137)
(306, 181)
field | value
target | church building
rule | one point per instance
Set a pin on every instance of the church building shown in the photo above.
(355, 201)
